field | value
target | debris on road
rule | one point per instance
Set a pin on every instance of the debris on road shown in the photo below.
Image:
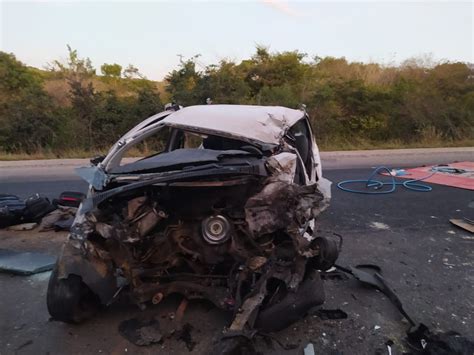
(371, 186)
(70, 199)
(464, 224)
(379, 225)
(60, 215)
(458, 174)
(24, 345)
(309, 349)
(22, 227)
(141, 332)
(419, 336)
(325, 314)
(184, 334)
(25, 263)
(389, 345)
(15, 211)
(425, 342)
(21, 215)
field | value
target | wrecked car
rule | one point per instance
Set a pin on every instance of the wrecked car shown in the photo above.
(226, 211)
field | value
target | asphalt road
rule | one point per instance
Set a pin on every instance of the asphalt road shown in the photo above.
(428, 262)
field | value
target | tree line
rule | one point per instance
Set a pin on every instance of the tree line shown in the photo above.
(70, 107)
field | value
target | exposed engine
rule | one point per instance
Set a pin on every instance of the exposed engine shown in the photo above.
(246, 244)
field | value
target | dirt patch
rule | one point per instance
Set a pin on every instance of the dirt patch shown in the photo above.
(47, 242)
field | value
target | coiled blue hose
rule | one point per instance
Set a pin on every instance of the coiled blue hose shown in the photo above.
(377, 184)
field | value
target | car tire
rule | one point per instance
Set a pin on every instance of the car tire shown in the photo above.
(70, 300)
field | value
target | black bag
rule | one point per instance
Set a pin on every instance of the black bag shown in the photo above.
(12, 210)
(37, 207)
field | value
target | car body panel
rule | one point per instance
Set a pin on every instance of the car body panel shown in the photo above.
(265, 124)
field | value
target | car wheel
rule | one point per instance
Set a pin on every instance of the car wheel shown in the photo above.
(70, 300)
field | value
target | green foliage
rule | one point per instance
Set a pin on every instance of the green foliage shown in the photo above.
(350, 104)
(182, 83)
(75, 68)
(105, 116)
(224, 83)
(28, 123)
(111, 70)
(131, 72)
(16, 78)
(93, 120)
(27, 117)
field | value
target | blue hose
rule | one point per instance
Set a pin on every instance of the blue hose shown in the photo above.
(377, 184)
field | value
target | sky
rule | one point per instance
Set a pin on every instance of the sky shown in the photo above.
(152, 34)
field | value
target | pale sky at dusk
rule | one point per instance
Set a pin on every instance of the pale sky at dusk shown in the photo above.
(151, 34)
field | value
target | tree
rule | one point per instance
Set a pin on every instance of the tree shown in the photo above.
(78, 73)
(27, 117)
(131, 72)
(75, 68)
(111, 70)
(224, 83)
(148, 103)
(84, 102)
(182, 84)
(16, 77)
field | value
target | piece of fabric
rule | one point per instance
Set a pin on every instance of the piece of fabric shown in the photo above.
(462, 180)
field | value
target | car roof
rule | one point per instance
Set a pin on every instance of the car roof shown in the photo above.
(266, 124)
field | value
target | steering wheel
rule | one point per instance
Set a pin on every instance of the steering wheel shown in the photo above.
(251, 149)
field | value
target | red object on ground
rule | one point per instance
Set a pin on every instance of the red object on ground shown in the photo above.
(463, 180)
(70, 199)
